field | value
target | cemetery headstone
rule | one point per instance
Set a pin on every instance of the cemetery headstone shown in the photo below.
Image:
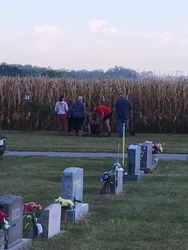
(50, 219)
(117, 182)
(12, 205)
(146, 159)
(72, 189)
(2, 147)
(113, 180)
(133, 164)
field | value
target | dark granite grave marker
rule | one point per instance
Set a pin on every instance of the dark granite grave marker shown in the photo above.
(146, 159)
(133, 164)
(12, 205)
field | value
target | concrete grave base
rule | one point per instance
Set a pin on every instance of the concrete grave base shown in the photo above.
(78, 212)
(24, 244)
(148, 170)
(133, 177)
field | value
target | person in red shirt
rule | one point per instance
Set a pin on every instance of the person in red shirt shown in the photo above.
(104, 115)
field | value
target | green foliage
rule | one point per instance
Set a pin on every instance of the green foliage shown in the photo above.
(40, 116)
(8, 70)
(43, 110)
(29, 70)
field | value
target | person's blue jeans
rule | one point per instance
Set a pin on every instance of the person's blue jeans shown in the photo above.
(120, 126)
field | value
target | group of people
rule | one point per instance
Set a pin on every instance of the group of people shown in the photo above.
(76, 117)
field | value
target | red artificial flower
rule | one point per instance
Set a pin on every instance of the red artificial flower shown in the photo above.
(2, 216)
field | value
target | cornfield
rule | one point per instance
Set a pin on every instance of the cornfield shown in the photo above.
(158, 105)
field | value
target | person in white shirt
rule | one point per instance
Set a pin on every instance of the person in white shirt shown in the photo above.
(61, 108)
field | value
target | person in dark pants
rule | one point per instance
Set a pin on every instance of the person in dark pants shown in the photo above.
(123, 110)
(78, 115)
(69, 117)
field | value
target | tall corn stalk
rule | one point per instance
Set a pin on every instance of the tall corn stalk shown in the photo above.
(158, 105)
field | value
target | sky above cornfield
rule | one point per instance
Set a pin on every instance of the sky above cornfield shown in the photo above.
(82, 34)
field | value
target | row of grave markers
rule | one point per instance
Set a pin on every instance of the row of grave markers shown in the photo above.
(50, 218)
(71, 188)
(136, 167)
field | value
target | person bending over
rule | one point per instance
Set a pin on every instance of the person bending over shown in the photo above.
(104, 115)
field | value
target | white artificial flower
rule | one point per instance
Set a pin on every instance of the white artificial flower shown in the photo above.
(6, 224)
(120, 169)
(39, 227)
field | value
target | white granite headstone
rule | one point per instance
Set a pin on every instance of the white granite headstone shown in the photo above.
(50, 219)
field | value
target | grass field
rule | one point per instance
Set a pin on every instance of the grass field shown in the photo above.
(149, 215)
(51, 141)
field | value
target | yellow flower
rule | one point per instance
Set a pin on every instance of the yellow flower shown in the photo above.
(64, 202)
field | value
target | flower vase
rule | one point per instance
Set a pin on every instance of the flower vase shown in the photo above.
(64, 213)
(155, 159)
(2, 239)
(106, 189)
(35, 231)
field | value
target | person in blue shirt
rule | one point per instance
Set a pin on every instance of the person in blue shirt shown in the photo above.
(123, 109)
(78, 115)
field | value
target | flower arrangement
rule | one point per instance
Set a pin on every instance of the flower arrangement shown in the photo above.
(107, 176)
(64, 202)
(117, 166)
(29, 210)
(27, 207)
(156, 147)
(3, 138)
(4, 224)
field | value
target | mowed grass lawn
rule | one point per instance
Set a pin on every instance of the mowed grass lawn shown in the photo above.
(148, 215)
(51, 141)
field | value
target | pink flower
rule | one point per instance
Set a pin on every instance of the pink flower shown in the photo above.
(27, 207)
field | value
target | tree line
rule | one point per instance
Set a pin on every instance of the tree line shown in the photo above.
(29, 70)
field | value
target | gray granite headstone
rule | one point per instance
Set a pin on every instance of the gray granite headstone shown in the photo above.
(12, 205)
(146, 159)
(72, 189)
(133, 164)
(72, 184)
(50, 219)
(117, 186)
